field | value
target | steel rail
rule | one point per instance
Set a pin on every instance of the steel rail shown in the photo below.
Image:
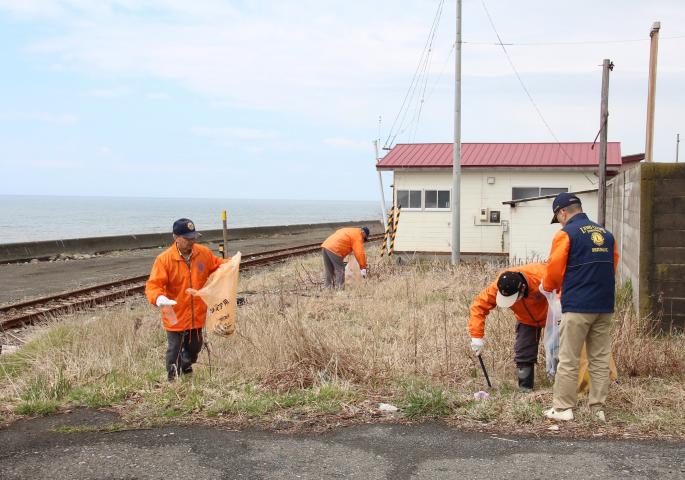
(42, 307)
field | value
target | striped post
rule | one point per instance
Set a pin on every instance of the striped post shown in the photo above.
(396, 222)
(388, 227)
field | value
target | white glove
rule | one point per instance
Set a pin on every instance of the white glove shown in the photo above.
(363, 272)
(163, 301)
(477, 345)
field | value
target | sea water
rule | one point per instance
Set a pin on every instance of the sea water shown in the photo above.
(25, 218)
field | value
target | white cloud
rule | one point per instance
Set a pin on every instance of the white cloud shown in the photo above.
(158, 96)
(349, 144)
(111, 92)
(344, 63)
(43, 117)
(56, 164)
(234, 134)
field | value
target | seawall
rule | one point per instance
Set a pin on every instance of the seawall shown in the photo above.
(24, 251)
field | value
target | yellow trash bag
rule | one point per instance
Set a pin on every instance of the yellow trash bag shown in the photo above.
(220, 294)
(584, 372)
(352, 273)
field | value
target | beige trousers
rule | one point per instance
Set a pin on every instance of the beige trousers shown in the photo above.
(595, 330)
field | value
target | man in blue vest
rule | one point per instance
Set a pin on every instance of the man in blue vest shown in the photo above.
(582, 265)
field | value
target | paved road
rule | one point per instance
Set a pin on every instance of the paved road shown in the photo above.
(30, 280)
(32, 449)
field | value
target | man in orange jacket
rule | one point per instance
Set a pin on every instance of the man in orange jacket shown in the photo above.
(516, 288)
(337, 247)
(183, 265)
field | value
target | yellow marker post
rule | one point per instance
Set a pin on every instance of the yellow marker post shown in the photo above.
(396, 222)
(388, 227)
(224, 221)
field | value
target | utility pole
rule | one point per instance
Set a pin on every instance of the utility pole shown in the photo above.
(651, 89)
(677, 146)
(380, 183)
(456, 156)
(603, 123)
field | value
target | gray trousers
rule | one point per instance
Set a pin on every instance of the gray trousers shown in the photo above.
(334, 267)
(526, 345)
(182, 351)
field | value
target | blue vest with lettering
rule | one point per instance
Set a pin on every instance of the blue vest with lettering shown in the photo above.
(589, 281)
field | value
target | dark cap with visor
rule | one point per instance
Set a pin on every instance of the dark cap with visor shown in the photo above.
(563, 200)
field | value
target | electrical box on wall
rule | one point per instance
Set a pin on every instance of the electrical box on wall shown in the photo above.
(494, 216)
(484, 214)
(505, 225)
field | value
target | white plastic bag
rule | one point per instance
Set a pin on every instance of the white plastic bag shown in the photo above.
(552, 328)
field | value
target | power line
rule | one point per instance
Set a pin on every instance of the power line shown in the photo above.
(523, 85)
(421, 69)
(417, 120)
(424, 62)
(581, 42)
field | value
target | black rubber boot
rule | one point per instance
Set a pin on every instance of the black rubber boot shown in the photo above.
(526, 377)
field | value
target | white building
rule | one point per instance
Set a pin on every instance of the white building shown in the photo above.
(492, 173)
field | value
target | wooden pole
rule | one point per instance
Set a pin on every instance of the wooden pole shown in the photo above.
(603, 124)
(651, 90)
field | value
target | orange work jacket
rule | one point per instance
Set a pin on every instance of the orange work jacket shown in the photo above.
(171, 276)
(346, 240)
(531, 310)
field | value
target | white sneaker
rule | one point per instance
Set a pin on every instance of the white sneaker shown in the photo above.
(561, 415)
(600, 416)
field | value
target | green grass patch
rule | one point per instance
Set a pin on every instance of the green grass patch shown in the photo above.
(482, 411)
(253, 403)
(44, 388)
(526, 412)
(425, 402)
(113, 389)
(37, 407)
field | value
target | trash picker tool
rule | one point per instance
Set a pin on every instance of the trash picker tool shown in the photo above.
(485, 372)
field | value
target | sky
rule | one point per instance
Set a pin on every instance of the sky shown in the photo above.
(283, 99)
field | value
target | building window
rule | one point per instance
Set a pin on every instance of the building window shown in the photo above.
(518, 193)
(437, 199)
(409, 198)
(552, 191)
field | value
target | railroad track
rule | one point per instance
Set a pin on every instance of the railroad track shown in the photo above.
(17, 314)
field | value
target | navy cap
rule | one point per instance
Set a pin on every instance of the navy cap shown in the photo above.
(184, 227)
(563, 200)
(366, 231)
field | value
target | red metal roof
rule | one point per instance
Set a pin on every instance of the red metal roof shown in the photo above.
(439, 155)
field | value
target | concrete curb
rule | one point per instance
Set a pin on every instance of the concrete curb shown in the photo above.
(20, 252)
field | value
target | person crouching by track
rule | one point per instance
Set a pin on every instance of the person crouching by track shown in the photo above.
(183, 265)
(336, 247)
(516, 288)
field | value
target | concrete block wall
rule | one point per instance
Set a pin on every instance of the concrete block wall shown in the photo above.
(623, 220)
(646, 213)
(662, 260)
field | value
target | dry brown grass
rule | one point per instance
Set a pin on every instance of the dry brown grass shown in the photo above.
(302, 353)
